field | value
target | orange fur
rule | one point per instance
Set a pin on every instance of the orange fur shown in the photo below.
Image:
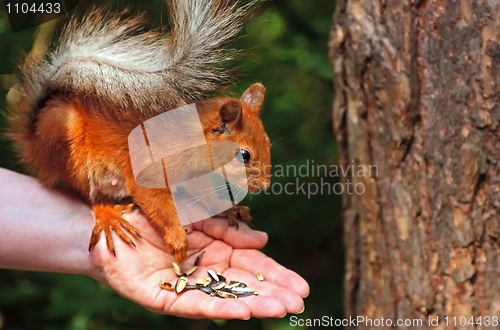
(85, 147)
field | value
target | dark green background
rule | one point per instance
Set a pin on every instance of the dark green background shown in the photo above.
(285, 48)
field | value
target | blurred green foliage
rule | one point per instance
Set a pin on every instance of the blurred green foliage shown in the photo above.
(285, 48)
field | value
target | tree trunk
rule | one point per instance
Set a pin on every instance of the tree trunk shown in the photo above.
(417, 99)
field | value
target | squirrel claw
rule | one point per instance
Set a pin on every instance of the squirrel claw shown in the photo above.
(236, 213)
(109, 219)
(180, 256)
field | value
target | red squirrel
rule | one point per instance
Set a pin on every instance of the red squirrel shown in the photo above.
(72, 109)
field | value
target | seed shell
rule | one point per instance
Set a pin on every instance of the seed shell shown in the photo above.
(202, 282)
(181, 283)
(259, 275)
(198, 258)
(177, 268)
(235, 284)
(226, 295)
(166, 285)
(214, 285)
(190, 271)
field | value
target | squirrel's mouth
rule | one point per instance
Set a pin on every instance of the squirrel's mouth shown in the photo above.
(255, 187)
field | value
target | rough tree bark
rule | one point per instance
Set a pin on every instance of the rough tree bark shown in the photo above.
(417, 88)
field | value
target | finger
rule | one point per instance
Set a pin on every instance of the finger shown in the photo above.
(265, 306)
(242, 238)
(253, 261)
(289, 300)
(196, 304)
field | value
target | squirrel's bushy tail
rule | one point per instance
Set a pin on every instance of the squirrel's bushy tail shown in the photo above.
(111, 58)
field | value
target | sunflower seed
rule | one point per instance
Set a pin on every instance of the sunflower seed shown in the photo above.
(217, 285)
(237, 291)
(235, 284)
(244, 294)
(206, 289)
(213, 275)
(191, 287)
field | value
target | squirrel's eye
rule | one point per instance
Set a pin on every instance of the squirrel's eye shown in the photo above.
(242, 155)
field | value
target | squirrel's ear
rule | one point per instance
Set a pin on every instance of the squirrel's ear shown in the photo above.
(230, 114)
(254, 97)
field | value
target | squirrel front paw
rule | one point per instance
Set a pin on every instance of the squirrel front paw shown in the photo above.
(109, 217)
(177, 243)
(236, 213)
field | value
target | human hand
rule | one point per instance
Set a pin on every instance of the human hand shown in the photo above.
(136, 272)
(55, 239)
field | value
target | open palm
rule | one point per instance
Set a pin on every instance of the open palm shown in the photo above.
(136, 272)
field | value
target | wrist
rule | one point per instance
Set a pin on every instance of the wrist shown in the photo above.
(43, 229)
(86, 262)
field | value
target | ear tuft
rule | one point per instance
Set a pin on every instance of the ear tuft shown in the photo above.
(230, 112)
(254, 96)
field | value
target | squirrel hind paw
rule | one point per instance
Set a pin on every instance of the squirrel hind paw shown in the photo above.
(108, 218)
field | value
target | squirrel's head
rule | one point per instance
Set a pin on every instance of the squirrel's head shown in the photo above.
(237, 120)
